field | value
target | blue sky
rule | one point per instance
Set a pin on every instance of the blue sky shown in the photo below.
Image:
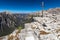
(27, 5)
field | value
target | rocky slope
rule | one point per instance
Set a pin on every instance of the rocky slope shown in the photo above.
(49, 11)
(7, 23)
(43, 28)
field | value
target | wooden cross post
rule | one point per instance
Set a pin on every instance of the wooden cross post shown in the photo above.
(42, 8)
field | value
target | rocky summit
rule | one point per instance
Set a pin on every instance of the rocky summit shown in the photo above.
(43, 28)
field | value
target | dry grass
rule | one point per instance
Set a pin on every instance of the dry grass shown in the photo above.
(57, 30)
(44, 33)
(17, 32)
(10, 37)
(1, 38)
(17, 38)
(33, 27)
(58, 35)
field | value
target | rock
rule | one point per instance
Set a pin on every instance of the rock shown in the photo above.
(7, 23)
(43, 28)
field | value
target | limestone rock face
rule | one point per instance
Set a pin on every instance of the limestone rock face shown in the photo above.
(7, 23)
